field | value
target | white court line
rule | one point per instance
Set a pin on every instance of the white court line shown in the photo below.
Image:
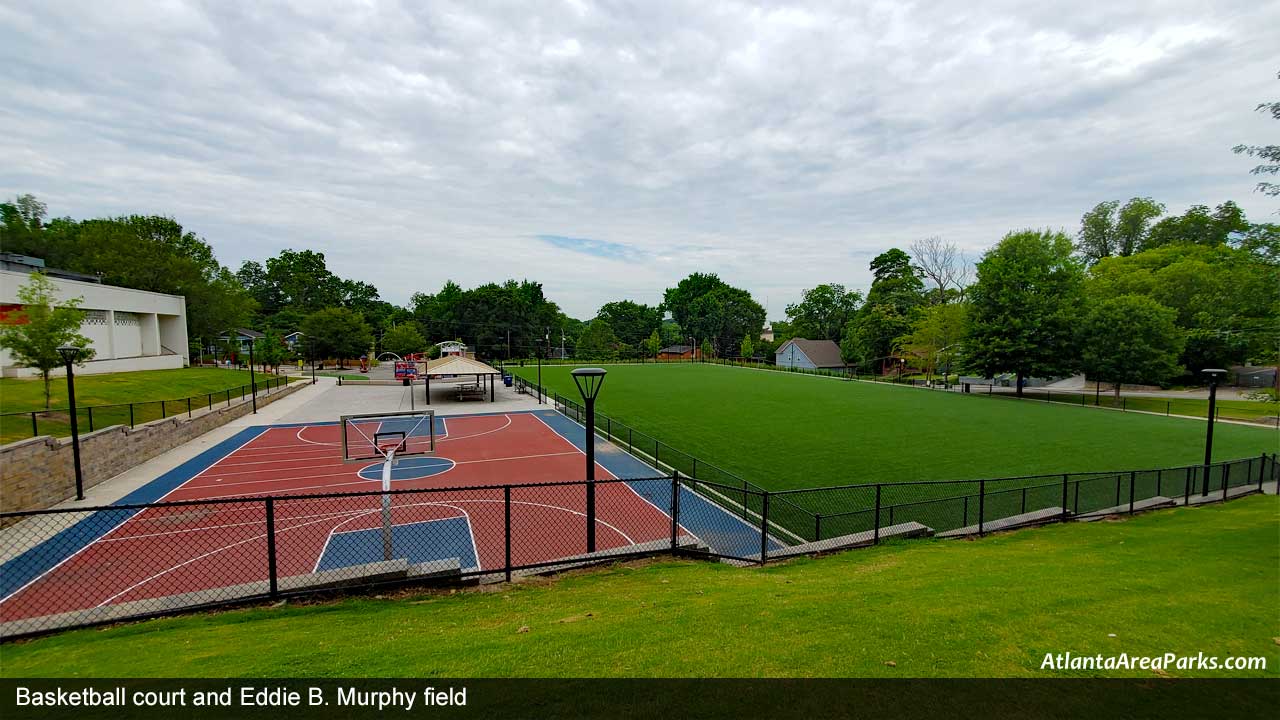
(131, 516)
(486, 432)
(626, 484)
(350, 472)
(126, 538)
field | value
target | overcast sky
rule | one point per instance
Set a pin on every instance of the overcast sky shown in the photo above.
(609, 150)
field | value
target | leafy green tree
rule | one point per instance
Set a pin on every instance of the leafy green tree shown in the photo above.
(1269, 154)
(598, 342)
(707, 350)
(704, 306)
(874, 335)
(653, 345)
(45, 323)
(269, 351)
(338, 332)
(747, 349)
(1110, 229)
(1130, 339)
(404, 339)
(1097, 236)
(823, 311)
(671, 334)
(492, 317)
(631, 321)
(935, 338)
(1198, 226)
(1025, 302)
(679, 300)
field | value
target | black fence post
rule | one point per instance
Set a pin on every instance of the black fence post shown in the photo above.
(1262, 468)
(965, 523)
(1065, 480)
(875, 537)
(229, 396)
(982, 500)
(35, 427)
(210, 403)
(506, 525)
(817, 526)
(271, 548)
(1075, 503)
(188, 408)
(164, 411)
(1186, 491)
(90, 409)
(1024, 501)
(1133, 479)
(1226, 472)
(764, 527)
(1117, 502)
(130, 414)
(1159, 482)
(675, 508)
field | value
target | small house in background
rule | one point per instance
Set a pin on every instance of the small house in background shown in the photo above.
(679, 352)
(294, 339)
(809, 354)
(243, 338)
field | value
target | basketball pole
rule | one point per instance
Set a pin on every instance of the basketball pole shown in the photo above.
(386, 504)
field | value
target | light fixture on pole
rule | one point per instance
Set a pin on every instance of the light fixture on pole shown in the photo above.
(71, 353)
(1214, 375)
(589, 381)
(253, 384)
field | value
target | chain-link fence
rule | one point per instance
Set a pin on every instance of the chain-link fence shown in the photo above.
(57, 421)
(84, 566)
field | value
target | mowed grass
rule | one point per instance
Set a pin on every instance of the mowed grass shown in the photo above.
(143, 386)
(1185, 581)
(785, 431)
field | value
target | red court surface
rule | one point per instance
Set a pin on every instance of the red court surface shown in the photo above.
(160, 552)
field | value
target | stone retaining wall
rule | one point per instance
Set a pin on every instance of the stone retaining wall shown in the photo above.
(38, 473)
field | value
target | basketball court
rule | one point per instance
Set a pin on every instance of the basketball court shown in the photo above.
(447, 508)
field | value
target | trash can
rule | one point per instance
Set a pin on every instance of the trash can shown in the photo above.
(506, 380)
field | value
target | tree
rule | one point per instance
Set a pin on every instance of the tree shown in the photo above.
(823, 311)
(1133, 223)
(707, 350)
(943, 264)
(337, 332)
(404, 339)
(679, 300)
(1097, 236)
(632, 322)
(1024, 305)
(269, 351)
(1130, 339)
(598, 342)
(653, 345)
(747, 349)
(42, 327)
(1198, 226)
(935, 338)
(1268, 153)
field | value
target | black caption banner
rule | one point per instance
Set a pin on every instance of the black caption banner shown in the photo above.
(621, 699)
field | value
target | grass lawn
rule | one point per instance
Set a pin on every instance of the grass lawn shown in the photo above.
(1186, 581)
(143, 386)
(784, 431)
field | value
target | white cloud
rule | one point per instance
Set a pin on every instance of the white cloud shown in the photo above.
(779, 147)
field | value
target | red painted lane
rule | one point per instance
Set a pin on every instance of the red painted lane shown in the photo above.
(166, 551)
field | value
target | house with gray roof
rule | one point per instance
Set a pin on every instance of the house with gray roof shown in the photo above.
(809, 354)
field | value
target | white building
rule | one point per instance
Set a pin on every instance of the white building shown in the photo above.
(128, 329)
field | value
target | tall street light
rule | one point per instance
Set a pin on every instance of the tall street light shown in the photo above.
(253, 384)
(71, 353)
(1214, 374)
(589, 381)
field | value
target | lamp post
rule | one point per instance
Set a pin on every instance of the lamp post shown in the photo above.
(1214, 374)
(589, 381)
(253, 385)
(70, 353)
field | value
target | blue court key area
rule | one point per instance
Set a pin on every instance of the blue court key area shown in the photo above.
(410, 468)
(415, 542)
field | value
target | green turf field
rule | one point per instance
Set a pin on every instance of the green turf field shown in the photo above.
(145, 388)
(784, 431)
(1185, 581)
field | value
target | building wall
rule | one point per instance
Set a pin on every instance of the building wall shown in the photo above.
(790, 356)
(128, 329)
